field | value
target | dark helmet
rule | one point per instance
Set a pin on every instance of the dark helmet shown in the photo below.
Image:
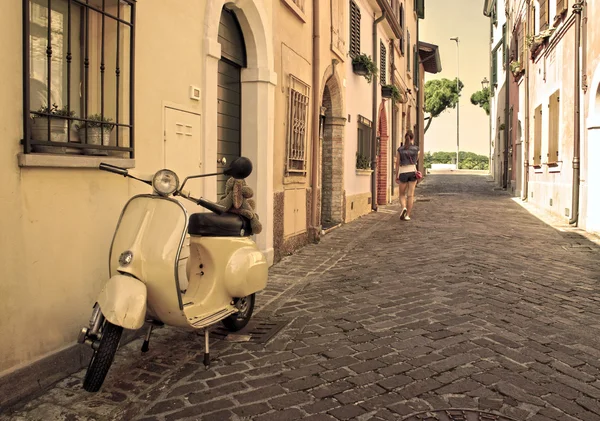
(239, 168)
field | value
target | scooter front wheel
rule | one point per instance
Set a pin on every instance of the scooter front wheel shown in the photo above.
(103, 357)
(240, 319)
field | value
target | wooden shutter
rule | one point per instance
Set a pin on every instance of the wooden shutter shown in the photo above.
(416, 61)
(521, 44)
(553, 121)
(354, 29)
(544, 15)
(382, 63)
(408, 48)
(561, 6)
(537, 137)
(420, 8)
(494, 67)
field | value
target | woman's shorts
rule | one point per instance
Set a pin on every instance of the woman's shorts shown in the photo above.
(405, 177)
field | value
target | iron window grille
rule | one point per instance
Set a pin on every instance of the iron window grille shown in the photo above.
(78, 72)
(298, 96)
(382, 63)
(364, 137)
(354, 29)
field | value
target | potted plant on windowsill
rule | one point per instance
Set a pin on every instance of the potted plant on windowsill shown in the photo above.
(96, 131)
(362, 65)
(516, 68)
(391, 91)
(50, 124)
(363, 164)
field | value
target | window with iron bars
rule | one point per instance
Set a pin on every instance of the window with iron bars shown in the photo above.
(298, 94)
(78, 70)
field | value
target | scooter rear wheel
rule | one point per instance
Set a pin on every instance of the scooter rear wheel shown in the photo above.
(103, 357)
(239, 320)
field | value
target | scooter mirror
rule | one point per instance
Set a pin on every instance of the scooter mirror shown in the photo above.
(239, 168)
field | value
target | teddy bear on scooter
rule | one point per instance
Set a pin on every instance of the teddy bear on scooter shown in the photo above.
(238, 200)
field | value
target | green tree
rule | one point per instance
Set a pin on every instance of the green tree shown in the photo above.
(482, 98)
(440, 94)
(468, 160)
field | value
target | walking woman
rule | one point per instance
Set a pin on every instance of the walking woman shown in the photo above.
(407, 157)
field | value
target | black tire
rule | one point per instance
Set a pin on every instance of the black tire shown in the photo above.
(103, 357)
(238, 321)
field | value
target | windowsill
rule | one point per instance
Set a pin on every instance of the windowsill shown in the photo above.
(554, 167)
(41, 160)
(363, 172)
(294, 179)
(294, 8)
(537, 169)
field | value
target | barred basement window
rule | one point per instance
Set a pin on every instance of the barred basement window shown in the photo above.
(299, 93)
(78, 70)
(382, 63)
(354, 29)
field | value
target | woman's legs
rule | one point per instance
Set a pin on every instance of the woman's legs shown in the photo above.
(402, 189)
(411, 196)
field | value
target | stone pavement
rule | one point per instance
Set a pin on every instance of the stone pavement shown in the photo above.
(475, 303)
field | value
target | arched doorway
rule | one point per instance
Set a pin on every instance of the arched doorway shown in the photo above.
(229, 92)
(593, 156)
(332, 155)
(382, 156)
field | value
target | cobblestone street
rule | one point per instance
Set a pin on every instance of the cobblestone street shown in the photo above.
(474, 303)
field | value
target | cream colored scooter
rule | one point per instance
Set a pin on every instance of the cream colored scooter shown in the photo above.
(152, 279)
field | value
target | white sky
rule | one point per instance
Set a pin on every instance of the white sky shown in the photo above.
(462, 18)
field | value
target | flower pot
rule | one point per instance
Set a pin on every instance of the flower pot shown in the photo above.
(360, 69)
(386, 92)
(58, 133)
(95, 136)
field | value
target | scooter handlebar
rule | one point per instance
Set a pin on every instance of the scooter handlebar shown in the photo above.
(211, 206)
(113, 169)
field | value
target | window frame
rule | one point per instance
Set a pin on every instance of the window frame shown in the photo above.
(364, 125)
(297, 130)
(354, 30)
(86, 8)
(553, 154)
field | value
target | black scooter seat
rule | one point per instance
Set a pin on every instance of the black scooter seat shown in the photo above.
(213, 225)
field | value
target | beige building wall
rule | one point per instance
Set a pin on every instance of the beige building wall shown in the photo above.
(59, 213)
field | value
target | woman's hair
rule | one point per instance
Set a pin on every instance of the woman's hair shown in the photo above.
(407, 138)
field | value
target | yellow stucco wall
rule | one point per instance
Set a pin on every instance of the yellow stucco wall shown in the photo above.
(57, 223)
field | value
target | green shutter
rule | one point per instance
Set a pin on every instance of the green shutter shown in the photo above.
(416, 61)
(494, 67)
(420, 8)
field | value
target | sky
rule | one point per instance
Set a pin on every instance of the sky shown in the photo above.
(463, 19)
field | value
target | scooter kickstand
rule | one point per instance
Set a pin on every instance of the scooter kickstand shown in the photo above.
(206, 350)
(145, 346)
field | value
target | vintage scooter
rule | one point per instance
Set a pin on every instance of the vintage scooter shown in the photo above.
(157, 278)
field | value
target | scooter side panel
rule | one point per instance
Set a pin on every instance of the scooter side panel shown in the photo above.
(123, 301)
(153, 229)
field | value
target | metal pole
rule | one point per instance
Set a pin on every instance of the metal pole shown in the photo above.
(458, 100)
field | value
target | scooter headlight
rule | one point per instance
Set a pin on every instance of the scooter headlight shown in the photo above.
(165, 182)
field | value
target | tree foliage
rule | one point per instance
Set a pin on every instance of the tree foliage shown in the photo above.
(482, 98)
(467, 160)
(440, 94)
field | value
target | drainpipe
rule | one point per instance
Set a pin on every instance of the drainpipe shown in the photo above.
(577, 8)
(525, 193)
(507, 99)
(394, 133)
(374, 123)
(418, 87)
(316, 117)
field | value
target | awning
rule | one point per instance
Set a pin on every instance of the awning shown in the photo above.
(430, 57)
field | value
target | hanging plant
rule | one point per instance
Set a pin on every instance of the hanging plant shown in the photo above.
(391, 91)
(363, 65)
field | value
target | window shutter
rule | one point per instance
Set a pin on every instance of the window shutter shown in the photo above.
(420, 8)
(561, 6)
(544, 15)
(553, 120)
(382, 63)
(521, 44)
(416, 65)
(354, 29)
(495, 67)
(408, 48)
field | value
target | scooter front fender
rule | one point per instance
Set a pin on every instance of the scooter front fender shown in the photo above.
(123, 301)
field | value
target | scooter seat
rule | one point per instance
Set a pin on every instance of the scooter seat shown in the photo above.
(213, 225)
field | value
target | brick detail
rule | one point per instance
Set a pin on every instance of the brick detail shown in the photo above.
(382, 158)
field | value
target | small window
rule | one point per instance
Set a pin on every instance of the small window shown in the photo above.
(297, 123)
(78, 73)
(553, 127)
(382, 63)
(363, 147)
(408, 48)
(354, 29)
(544, 15)
(537, 137)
